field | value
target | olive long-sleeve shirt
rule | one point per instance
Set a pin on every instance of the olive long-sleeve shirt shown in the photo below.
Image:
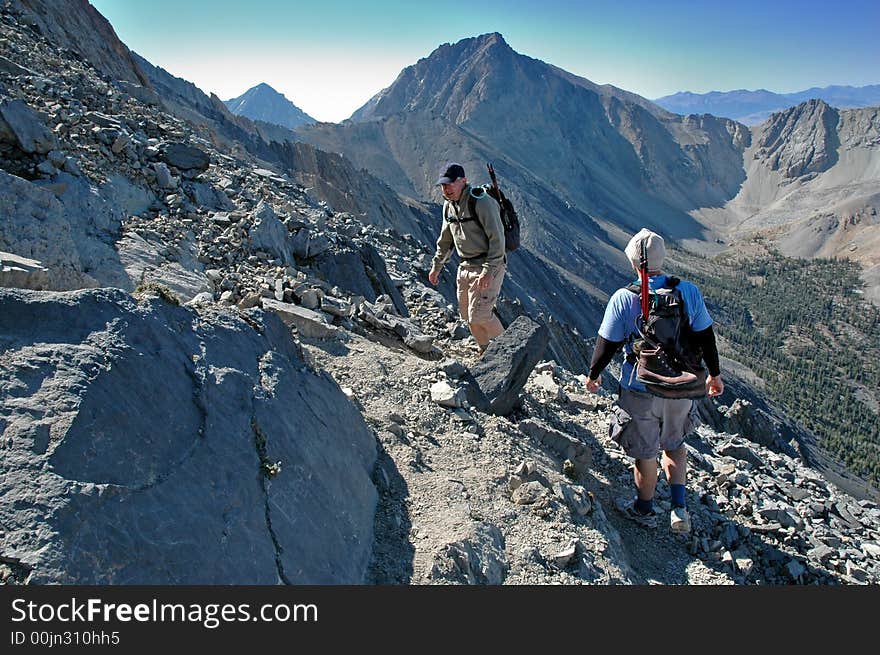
(478, 242)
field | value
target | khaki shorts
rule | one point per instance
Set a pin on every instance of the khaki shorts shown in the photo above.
(476, 306)
(644, 424)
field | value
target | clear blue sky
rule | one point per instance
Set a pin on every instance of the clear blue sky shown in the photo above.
(330, 57)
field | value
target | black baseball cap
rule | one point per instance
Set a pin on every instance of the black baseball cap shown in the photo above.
(450, 173)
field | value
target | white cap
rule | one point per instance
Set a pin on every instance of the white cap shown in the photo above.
(656, 249)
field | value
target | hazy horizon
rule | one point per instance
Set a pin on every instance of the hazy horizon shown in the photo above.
(329, 58)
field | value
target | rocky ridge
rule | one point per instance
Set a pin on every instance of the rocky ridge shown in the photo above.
(812, 187)
(465, 495)
(530, 496)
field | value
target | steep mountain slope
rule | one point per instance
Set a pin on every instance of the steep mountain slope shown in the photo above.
(268, 461)
(755, 107)
(83, 29)
(264, 103)
(587, 163)
(813, 186)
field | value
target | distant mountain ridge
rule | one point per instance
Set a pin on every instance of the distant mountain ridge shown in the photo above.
(264, 103)
(283, 224)
(586, 165)
(812, 186)
(754, 107)
(572, 150)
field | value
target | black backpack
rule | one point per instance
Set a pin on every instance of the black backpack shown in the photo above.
(509, 218)
(664, 325)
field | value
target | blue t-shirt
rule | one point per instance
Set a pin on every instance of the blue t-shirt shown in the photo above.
(624, 309)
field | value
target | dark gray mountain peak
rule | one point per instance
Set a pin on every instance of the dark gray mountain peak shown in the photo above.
(476, 43)
(801, 140)
(264, 103)
(262, 87)
(455, 78)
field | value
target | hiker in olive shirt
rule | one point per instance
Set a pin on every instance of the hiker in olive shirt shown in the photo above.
(479, 242)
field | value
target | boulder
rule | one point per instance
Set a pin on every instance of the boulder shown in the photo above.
(479, 558)
(269, 234)
(308, 243)
(24, 128)
(445, 395)
(360, 270)
(743, 418)
(503, 370)
(336, 306)
(129, 460)
(184, 157)
(741, 452)
(22, 272)
(206, 196)
(307, 322)
(577, 499)
(164, 178)
(138, 92)
(560, 444)
(452, 367)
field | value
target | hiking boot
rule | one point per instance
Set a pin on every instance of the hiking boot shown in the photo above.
(626, 506)
(680, 520)
(654, 368)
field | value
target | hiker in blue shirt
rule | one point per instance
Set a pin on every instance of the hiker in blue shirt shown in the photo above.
(644, 423)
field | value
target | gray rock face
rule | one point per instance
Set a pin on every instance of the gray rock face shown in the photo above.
(21, 272)
(269, 234)
(69, 226)
(477, 559)
(307, 322)
(144, 263)
(360, 271)
(504, 368)
(144, 444)
(801, 140)
(77, 25)
(22, 127)
(185, 157)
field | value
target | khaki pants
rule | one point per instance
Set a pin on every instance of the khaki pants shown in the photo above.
(476, 306)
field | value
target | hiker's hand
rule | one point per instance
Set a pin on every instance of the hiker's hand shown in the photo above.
(434, 277)
(714, 386)
(593, 385)
(483, 282)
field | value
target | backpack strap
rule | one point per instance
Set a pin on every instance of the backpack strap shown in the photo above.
(472, 211)
(472, 205)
